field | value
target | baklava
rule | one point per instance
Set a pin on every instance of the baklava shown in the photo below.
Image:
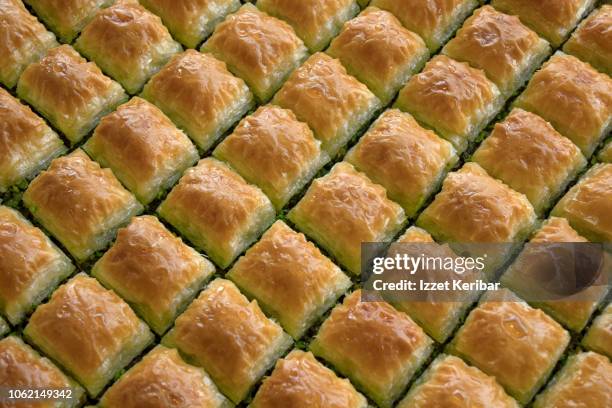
(300, 381)
(161, 380)
(217, 210)
(529, 155)
(334, 104)
(229, 337)
(573, 97)
(374, 345)
(454, 99)
(80, 203)
(509, 340)
(405, 158)
(200, 95)
(290, 278)
(379, 51)
(128, 43)
(23, 40)
(143, 148)
(315, 21)
(27, 144)
(258, 48)
(31, 266)
(89, 330)
(70, 92)
(591, 42)
(343, 209)
(599, 335)
(274, 151)
(153, 270)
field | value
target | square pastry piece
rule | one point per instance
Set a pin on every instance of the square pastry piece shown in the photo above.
(499, 44)
(592, 40)
(274, 151)
(343, 209)
(22, 368)
(89, 330)
(142, 146)
(200, 95)
(258, 48)
(23, 40)
(406, 159)
(588, 204)
(333, 103)
(229, 337)
(574, 98)
(584, 381)
(161, 380)
(217, 210)
(190, 21)
(128, 42)
(526, 152)
(300, 381)
(379, 51)
(511, 341)
(290, 278)
(552, 19)
(30, 265)
(153, 270)
(435, 21)
(80, 203)
(449, 382)
(27, 144)
(599, 336)
(377, 347)
(70, 92)
(452, 98)
(315, 21)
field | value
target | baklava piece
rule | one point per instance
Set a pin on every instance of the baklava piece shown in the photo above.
(191, 21)
(599, 335)
(435, 21)
(507, 339)
(161, 380)
(584, 381)
(27, 144)
(290, 278)
(588, 204)
(89, 330)
(592, 40)
(23, 40)
(153, 270)
(316, 22)
(500, 45)
(67, 17)
(217, 210)
(300, 381)
(333, 103)
(552, 19)
(274, 151)
(605, 154)
(70, 92)
(379, 51)
(31, 266)
(143, 148)
(200, 95)
(258, 48)
(80, 203)
(22, 368)
(406, 159)
(574, 98)
(526, 153)
(343, 209)
(127, 42)
(452, 98)
(449, 382)
(229, 337)
(377, 347)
